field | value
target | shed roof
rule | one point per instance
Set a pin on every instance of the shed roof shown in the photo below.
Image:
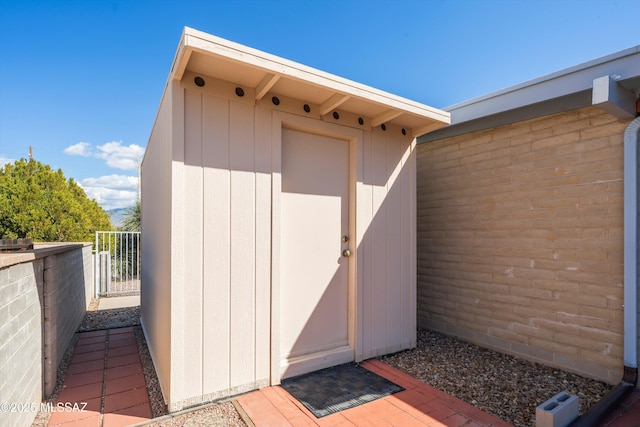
(563, 90)
(265, 73)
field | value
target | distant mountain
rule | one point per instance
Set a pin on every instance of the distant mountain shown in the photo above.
(117, 215)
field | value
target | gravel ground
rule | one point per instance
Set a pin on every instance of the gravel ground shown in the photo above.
(158, 407)
(502, 385)
(506, 386)
(219, 414)
(96, 320)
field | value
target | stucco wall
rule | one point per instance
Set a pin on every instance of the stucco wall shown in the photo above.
(44, 295)
(520, 240)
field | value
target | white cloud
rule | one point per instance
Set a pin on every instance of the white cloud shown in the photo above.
(120, 157)
(110, 199)
(112, 191)
(80, 149)
(114, 154)
(112, 181)
(4, 160)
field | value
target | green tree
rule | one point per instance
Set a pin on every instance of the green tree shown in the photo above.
(39, 203)
(131, 221)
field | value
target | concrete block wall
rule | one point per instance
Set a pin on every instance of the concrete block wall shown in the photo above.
(67, 293)
(520, 240)
(44, 295)
(21, 340)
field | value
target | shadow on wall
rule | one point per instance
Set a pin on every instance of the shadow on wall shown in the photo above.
(209, 244)
(324, 317)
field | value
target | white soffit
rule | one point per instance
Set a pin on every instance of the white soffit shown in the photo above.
(250, 68)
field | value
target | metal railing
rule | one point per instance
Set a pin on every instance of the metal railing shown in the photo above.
(117, 263)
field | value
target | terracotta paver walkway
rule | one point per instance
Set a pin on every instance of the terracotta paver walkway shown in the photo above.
(105, 373)
(418, 405)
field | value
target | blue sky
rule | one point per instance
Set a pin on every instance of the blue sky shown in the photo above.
(81, 81)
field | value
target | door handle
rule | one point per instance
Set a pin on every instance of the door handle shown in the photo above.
(346, 253)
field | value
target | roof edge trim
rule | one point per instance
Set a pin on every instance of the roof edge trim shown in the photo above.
(194, 40)
(548, 77)
(564, 90)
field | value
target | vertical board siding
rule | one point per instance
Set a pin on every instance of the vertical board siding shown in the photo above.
(177, 343)
(217, 244)
(386, 256)
(394, 283)
(263, 243)
(377, 313)
(406, 229)
(386, 211)
(191, 312)
(243, 256)
(224, 306)
(412, 313)
(156, 253)
(276, 183)
(364, 206)
(225, 228)
(407, 215)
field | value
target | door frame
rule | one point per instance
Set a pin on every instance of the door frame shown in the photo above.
(354, 138)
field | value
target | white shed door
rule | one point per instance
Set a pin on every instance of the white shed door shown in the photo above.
(314, 292)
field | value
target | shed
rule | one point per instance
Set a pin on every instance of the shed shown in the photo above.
(279, 221)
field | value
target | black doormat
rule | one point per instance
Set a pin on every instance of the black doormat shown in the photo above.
(335, 389)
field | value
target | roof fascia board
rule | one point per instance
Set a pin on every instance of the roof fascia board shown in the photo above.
(556, 105)
(613, 98)
(181, 59)
(618, 61)
(208, 44)
(560, 91)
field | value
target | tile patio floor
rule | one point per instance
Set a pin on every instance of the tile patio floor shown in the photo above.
(106, 373)
(418, 405)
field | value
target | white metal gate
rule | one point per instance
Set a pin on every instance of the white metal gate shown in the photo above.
(117, 263)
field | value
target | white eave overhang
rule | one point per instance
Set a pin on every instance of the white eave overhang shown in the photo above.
(200, 52)
(611, 83)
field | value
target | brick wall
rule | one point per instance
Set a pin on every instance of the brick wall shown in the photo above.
(43, 297)
(520, 240)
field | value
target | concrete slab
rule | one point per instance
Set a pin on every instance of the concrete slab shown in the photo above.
(118, 302)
